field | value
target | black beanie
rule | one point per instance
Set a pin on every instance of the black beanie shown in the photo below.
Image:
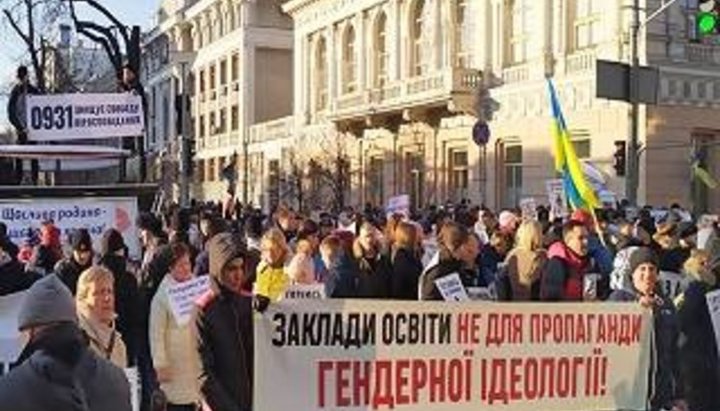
(641, 256)
(80, 240)
(111, 242)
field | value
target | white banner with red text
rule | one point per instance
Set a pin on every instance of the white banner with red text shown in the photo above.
(437, 356)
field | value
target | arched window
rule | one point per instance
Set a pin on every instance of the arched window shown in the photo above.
(381, 50)
(321, 75)
(349, 61)
(418, 25)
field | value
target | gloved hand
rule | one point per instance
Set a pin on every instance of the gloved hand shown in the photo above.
(260, 303)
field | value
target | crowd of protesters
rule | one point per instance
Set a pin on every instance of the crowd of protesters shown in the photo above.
(665, 260)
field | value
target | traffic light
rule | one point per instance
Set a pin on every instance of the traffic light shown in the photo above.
(619, 158)
(708, 17)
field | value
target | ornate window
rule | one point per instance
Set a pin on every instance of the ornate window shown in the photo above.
(381, 50)
(349, 60)
(519, 19)
(587, 23)
(321, 75)
(420, 48)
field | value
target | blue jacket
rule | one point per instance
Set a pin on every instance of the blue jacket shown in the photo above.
(601, 256)
(665, 358)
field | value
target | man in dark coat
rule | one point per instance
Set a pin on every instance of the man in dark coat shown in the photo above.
(568, 263)
(13, 278)
(127, 300)
(699, 360)
(17, 112)
(57, 370)
(225, 329)
(69, 269)
(667, 391)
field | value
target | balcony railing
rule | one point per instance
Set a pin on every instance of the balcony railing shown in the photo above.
(272, 130)
(516, 74)
(431, 88)
(703, 53)
(583, 61)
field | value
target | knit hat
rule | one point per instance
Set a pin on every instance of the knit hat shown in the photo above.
(508, 220)
(222, 249)
(80, 240)
(111, 242)
(47, 301)
(641, 256)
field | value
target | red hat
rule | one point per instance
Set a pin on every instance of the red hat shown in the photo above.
(584, 217)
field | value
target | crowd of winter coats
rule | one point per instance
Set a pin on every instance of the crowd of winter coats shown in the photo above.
(662, 259)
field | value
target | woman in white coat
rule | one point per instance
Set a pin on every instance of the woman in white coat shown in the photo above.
(172, 344)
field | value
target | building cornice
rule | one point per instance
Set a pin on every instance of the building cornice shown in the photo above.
(293, 6)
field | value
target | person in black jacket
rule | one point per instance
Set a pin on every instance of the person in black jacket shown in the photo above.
(69, 269)
(371, 276)
(458, 252)
(225, 329)
(13, 278)
(667, 390)
(699, 360)
(113, 253)
(16, 113)
(406, 263)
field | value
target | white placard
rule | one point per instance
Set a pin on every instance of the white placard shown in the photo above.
(134, 380)
(305, 292)
(529, 208)
(95, 214)
(556, 198)
(451, 288)
(399, 204)
(713, 302)
(10, 341)
(62, 117)
(182, 297)
(672, 284)
(482, 293)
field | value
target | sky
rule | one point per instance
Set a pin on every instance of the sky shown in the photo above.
(11, 52)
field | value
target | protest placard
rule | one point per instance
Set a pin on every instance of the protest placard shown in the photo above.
(133, 378)
(399, 205)
(68, 214)
(305, 292)
(432, 356)
(713, 302)
(556, 198)
(62, 117)
(451, 288)
(10, 341)
(529, 209)
(182, 297)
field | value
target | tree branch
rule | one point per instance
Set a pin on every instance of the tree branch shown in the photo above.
(105, 12)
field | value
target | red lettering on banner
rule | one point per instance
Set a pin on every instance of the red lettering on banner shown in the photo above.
(531, 378)
(341, 383)
(455, 380)
(535, 328)
(468, 328)
(361, 382)
(563, 378)
(580, 334)
(323, 367)
(603, 376)
(547, 378)
(636, 327)
(546, 327)
(515, 378)
(601, 338)
(498, 381)
(517, 329)
(382, 394)
(468, 378)
(438, 379)
(419, 378)
(577, 362)
(401, 382)
(483, 379)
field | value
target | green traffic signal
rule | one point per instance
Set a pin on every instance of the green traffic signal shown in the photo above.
(707, 23)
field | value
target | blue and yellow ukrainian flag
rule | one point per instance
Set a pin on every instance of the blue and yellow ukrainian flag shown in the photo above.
(580, 194)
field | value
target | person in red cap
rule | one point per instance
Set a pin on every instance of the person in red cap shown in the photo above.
(601, 256)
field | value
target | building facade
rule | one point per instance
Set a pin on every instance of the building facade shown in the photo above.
(399, 77)
(234, 58)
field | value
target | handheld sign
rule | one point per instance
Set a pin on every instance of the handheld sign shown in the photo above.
(451, 288)
(529, 209)
(62, 117)
(556, 198)
(713, 302)
(305, 292)
(399, 204)
(182, 297)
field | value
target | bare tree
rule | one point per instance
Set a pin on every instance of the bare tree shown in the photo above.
(329, 171)
(31, 21)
